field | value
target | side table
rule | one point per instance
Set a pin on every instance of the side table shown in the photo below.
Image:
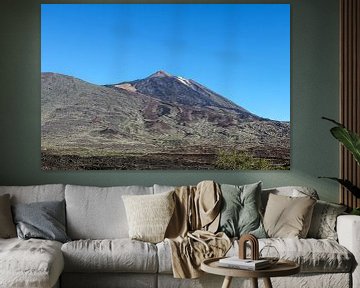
(281, 268)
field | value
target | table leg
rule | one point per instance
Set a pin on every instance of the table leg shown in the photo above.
(227, 282)
(254, 282)
(267, 283)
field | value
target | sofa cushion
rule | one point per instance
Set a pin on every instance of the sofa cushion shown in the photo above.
(98, 213)
(323, 222)
(287, 216)
(36, 193)
(7, 226)
(43, 220)
(117, 255)
(149, 215)
(240, 210)
(313, 255)
(164, 257)
(291, 191)
(30, 263)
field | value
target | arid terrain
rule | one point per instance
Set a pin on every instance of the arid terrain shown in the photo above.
(159, 122)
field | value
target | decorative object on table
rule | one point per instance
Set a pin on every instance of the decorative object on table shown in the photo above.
(351, 142)
(241, 261)
(254, 246)
(247, 264)
(269, 253)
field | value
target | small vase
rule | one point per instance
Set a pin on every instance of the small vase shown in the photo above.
(270, 253)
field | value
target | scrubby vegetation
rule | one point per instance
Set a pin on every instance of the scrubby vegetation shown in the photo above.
(241, 160)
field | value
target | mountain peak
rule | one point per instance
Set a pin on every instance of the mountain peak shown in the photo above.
(160, 73)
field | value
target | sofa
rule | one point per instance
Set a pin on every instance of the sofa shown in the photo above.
(100, 253)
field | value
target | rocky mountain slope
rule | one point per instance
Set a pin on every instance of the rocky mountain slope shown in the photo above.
(160, 122)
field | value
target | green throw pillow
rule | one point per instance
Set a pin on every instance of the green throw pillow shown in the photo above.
(240, 213)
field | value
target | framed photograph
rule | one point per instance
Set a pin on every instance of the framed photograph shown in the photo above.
(165, 86)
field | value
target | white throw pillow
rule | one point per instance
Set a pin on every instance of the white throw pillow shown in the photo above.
(149, 215)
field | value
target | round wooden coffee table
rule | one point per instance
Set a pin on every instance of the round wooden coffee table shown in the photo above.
(281, 268)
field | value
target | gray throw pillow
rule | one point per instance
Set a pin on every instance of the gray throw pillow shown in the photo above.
(44, 220)
(323, 222)
(240, 213)
(7, 227)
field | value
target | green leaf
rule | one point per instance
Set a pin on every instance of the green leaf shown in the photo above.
(347, 184)
(333, 121)
(355, 211)
(349, 139)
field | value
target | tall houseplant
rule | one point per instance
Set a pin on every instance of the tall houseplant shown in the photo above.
(351, 141)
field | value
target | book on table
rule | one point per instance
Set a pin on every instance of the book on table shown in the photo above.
(236, 262)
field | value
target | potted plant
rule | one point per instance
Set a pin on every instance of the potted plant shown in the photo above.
(351, 141)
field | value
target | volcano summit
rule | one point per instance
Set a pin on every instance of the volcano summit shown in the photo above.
(159, 122)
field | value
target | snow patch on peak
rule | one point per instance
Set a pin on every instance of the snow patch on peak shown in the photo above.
(184, 81)
(126, 86)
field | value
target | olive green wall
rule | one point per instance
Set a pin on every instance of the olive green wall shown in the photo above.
(314, 93)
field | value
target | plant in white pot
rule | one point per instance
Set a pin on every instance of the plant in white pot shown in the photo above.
(351, 141)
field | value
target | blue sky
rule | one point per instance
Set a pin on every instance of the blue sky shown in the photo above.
(241, 51)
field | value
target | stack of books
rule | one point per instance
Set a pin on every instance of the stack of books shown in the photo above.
(248, 264)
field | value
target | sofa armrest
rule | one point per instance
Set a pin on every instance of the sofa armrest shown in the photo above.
(348, 230)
